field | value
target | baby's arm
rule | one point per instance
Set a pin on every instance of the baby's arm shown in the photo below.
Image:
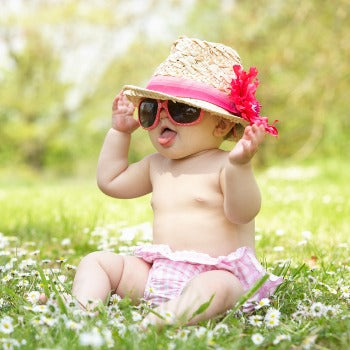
(115, 176)
(241, 193)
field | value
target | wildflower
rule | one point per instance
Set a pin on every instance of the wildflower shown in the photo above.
(74, 326)
(255, 320)
(200, 332)
(183, 334)
(70, 267)
(280, 337)
(272, 317)
(332, 311)
(272, 313)
(343, 245)
(169, 317)
(35, 252)
(278, 249)
(171, 346)
(136, 316)
(27, 263)
(9, 343)
(66, 242)
(317, 293)
(345, 292)
(272, 322)
(309, 342)
(108, 337)
(280, 232)
(2, 302)
(318, 309)
(7, 278)
(46, 261)
(210, 339)
(332, 290)
(40, 308)
(48, 321)
(121, 329)
(306, 235)
(33, 296)
(6, 325)
(114, 299)
(23, 283)
(263, 302)
(35, 273)
(92, 304)
(93, 338)
(35, 322)
(221, 328)
(257, 338)
(61, 260)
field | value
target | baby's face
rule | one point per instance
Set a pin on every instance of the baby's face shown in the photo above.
(176, 142)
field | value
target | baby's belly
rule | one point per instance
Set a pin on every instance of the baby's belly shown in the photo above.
(209, 233)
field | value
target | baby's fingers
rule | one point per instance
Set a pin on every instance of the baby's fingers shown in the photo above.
(255, 134)
(116, 102)
(259, 131)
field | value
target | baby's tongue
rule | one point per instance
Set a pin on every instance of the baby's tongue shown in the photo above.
(166, 137)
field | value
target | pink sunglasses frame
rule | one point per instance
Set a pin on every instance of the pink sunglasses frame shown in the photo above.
(163, 104)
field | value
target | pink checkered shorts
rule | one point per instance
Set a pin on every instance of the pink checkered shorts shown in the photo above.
(172, 270)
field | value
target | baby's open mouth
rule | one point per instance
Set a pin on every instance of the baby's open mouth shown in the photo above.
(167, 136)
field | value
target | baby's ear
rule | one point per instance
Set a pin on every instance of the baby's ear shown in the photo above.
(222, 127)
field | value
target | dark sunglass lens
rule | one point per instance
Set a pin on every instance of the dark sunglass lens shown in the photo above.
(148, 112)
(183, 113)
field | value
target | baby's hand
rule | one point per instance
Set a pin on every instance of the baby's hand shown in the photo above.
(248, 145)
(122, 115)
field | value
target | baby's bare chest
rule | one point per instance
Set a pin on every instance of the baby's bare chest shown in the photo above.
(186, 190)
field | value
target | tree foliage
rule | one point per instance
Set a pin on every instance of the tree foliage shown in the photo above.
(300, 48)
(32, 113)
(302, 52)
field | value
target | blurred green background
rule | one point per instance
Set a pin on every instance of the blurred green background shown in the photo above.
(62, 62)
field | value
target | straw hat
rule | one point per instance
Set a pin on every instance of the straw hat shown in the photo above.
(200, 74)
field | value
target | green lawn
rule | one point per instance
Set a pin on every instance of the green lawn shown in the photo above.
(302, 233)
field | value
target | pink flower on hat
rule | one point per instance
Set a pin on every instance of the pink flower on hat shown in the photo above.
(243, 89)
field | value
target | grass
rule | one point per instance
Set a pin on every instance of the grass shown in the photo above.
(302, 233)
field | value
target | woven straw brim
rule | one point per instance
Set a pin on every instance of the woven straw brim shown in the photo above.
(135, 93)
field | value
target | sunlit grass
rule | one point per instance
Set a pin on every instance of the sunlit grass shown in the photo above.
(302, 233)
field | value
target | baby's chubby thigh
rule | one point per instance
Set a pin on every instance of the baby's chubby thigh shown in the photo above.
(102, 272)
(134, 278)
(223, 286)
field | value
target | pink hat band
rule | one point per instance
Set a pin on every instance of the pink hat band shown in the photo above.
(179, 87)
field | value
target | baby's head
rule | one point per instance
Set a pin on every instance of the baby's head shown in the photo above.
(199, 79)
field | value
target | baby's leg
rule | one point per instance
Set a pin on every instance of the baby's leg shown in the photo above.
(225, 287)
(100, 273)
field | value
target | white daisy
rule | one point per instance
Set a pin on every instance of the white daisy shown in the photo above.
(318, 309)
(255, 320)
(33, 296)
(257, 338)
(281, 337)
(272, 322)
(272, 313)
(345, 292)
(6, 325)
(136, 316)
(263, 302)
(93, 338)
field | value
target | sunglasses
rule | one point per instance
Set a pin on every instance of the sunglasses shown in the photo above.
(179, 113)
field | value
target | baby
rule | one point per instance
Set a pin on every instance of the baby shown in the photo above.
(204, 199)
